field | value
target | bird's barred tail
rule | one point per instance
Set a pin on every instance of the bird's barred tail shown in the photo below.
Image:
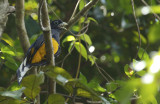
(22, 70)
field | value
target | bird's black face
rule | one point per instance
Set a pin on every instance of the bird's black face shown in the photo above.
(58, 24)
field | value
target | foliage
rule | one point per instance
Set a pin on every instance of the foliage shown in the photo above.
(116, 70)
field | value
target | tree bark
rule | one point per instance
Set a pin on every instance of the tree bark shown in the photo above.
(45, 26)
(5, 9)
(20, 24)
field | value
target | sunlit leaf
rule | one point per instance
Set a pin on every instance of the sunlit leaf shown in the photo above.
(53, 72)
(68, 38)
(142, 54)
(30, 5)
(7, 50)
(56, 99)
(86, 38)
(76, 28)
(81, 4)
(7, 39)
(81, 49)
(14, 86)
(92, 19)
(126, 90)
(82, 19)
(34, 16)
(147, 96)
(84, 93)
(141, 73)
(92, 59)
(13, 94)
(32, 83)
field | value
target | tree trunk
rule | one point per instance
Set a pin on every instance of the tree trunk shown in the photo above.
(5, 9)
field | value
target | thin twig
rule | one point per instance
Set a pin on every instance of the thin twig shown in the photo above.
(79, 60)
(75, 9)
(155, 15)
(79, 14)
(139, 33)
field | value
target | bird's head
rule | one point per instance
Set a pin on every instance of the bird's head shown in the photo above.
(58, 24)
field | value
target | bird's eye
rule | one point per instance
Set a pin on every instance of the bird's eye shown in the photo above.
(56, 22)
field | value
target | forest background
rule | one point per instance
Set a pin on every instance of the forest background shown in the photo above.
(109, 54)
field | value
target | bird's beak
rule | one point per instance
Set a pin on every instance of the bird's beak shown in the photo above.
(62, 25)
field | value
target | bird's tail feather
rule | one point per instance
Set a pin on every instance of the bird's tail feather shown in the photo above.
(22, 70)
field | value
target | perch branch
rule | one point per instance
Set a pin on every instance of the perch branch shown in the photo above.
(45, 26)
(21, 30)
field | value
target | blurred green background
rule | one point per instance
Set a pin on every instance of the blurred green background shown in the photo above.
(112, 30)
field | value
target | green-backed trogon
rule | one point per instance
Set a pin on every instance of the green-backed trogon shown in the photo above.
(36, 54)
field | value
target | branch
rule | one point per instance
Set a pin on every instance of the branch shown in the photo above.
(138, 29)
(45, 26)
(21, 30)
(73, 20)
(74, 12)
(4, 11)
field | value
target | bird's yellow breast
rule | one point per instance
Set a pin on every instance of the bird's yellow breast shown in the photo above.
(41, 52)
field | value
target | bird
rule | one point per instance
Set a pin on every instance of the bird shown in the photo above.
(36, 54)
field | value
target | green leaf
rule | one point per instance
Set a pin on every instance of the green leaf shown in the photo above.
(70, 46)
(92, 19)
(10, 62)
(32, 83)
(81, 49)
(81, 4)
(142, 54)
(95, 85)
(76, 28)
(111, 86)
(10, 65)
(153, 35)
(92, 84)
(56, 99)
(141, 73)
(82, 79)
(7, 50)
(13, 94)
(86, 38)
(83, 93)
(128, 71)
(68, 38)
(53, 72)
(143, 39)
(8, 100)
(62, 79)
(147, 96)
(7, 39)
(92, 59)
(82, 19)
(123, 95)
